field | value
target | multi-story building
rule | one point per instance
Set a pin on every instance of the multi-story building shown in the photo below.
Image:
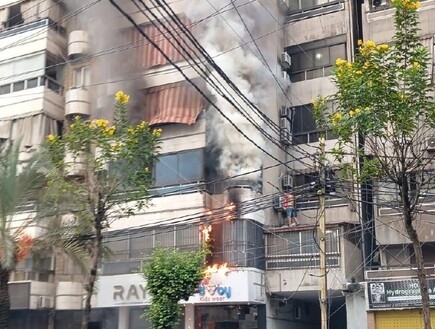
(228, 153)
(394, 266)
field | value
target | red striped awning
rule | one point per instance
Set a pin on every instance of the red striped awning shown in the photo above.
(173, 103)
(147, 55)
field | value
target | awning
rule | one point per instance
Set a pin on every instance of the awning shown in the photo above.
(147, 55)
(173, 103)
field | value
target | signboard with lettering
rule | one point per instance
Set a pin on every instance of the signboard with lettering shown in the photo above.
(122, 290)
(397, 294)
(239, 286)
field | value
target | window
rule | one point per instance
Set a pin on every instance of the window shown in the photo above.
(301, 5)
(304, 125)
(14, 16)
(5, 89)
(315, 59)
(138, 244)
(300, 249)
(18, 86)
(81, 77)
(179, 168)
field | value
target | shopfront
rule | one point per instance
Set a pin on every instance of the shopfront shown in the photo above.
(226, 299)
(397, 304)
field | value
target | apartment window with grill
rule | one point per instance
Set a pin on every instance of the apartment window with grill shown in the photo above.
(129, 248)
(294, 250)
(315, 59)
(304, 126)
(303, 5)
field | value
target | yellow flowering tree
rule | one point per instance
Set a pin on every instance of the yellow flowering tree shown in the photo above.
(385, 103)
(100, 171)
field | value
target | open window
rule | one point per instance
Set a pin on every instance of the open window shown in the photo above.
(14, 16)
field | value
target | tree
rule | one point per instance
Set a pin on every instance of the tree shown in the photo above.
(385, 98)
(100, 172)
(19, 184)
(171, 276)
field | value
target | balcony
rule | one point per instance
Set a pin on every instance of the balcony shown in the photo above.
(78, 43)
(31, 295)
(77, 102)
(40, 94)
(292, 259)
(74, 165)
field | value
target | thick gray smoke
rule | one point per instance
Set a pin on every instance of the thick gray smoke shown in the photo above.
(226, 39)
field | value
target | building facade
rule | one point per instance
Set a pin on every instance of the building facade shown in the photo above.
(231, 86)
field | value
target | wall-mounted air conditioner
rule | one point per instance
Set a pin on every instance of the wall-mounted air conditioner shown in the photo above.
(284, 112)
(430, 144)
(285, 136)
(278, 203)
(287, 181)
(286, 61)
(45, 302)
(285, 75)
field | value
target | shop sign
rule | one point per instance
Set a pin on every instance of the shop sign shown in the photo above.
(398, 294)
(122, 290)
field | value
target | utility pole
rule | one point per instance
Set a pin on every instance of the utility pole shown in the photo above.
(321, 234)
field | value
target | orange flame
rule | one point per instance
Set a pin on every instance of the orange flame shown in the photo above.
(24, 244)
(230, 208)
(220, 269)
(206, 230)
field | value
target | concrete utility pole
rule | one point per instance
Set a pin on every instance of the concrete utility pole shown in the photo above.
(321, 234)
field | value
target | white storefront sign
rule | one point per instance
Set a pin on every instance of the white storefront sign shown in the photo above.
(235, 286)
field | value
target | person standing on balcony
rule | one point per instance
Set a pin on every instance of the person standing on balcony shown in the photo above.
(290, 209)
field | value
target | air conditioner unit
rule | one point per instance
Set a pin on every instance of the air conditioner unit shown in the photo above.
(284, 112)
(284, 123)
(45, 302)
(286, 60)
(379, 3)
(287, 181)
(285, 75)
(430, 144)
(278, 203)
(285, 136)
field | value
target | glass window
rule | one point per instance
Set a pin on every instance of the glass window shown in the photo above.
(32, 83)
(141, 244)
(166, 172)
(82, 77)
(18, 86)
(187, 237)
(164, 237)
(179, 168)
(315, 59)
(5, 89)
(118, 246)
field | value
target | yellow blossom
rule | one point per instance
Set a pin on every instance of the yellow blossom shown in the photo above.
(122, 97)
(351, 113)
(357, 111)
(340, 62)
(382, 47)
(146, 169)
(336, 117)
(51, 138)
(130, 130)
(369, 44)
(110, 131)
(157, 132)
(360, 42)
(416, 65)
(359, 72)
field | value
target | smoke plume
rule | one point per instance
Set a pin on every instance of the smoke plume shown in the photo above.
(226, 39)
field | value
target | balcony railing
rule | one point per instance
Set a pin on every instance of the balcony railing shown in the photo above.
(300, 261)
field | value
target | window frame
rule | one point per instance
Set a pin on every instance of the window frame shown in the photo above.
(299, 53)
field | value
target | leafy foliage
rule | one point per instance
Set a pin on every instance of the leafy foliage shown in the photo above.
(171, 275)
(98, 172)
(385, 113)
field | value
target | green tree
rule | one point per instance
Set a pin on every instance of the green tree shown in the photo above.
(385, 98)
(171, 275)
(100, 172)
(19, 184)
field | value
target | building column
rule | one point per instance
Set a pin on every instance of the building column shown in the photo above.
(189, 316)
(123, 318)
